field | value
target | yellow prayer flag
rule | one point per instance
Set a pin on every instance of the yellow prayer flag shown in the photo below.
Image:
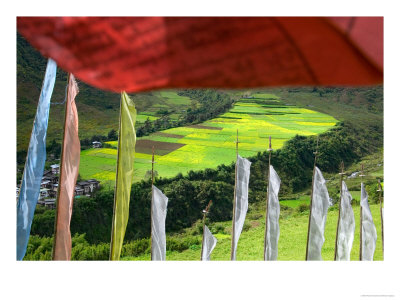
(124, 175)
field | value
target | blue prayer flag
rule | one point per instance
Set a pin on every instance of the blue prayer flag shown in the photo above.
(34, 165)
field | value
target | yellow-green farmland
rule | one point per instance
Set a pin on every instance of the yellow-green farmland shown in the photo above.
(212, 143)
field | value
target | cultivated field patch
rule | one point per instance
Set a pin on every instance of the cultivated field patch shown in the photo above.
(212, 143)
(160, 148)
(168, 135)
(204, 127)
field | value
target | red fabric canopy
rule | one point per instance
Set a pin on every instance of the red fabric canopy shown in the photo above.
(143, 53)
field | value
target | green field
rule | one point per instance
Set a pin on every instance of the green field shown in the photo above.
(304, 199)
(174, 99)
(292, 240)
(141, 118)
(213, 142)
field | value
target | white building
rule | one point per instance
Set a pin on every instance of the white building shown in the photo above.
(96, 144)
(55, 169)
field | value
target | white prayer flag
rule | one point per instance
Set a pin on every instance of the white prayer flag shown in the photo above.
(159, 207)
(209, 242)
(346, 226)
(368, 241)
(320, 204)
(242, 191)
(271, 249)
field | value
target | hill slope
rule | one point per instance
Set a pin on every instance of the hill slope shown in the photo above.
(98, 110)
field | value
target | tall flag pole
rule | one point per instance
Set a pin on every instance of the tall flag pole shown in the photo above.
(381, 208)
(368, 230)
(346, 224)
(272, 212)
(234, 199)
(152, 201)
(205, 212)
(267, 200)
(340, 207)
(124, 174)
(362, 176)
(34, 164)
(69, 169)
(242, 176)
(159, 203)
(311, 199)
(318, 214)
(209, 241)
(158, 238)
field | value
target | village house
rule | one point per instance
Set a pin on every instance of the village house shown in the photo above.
(55, 169)
(45, 183)
(96, 144)
(44, 193)
(94, 184)
(79, 191)
(49, 187)
(88, 186)
(54, 190)
(48, 202)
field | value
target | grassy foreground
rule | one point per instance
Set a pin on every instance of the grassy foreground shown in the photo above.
(292, 240)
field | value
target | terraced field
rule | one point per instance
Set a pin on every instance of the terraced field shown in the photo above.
(166, 100)
(212, 143)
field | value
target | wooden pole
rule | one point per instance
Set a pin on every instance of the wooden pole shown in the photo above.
(152, 202)
(234, 197)
(312, 190)
(340, 206)
(205, 212)
(380, 204)
(60, 172)
(361, 175)
(116, 182)
(267, 200)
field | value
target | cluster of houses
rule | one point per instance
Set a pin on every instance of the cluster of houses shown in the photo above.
(49, 187)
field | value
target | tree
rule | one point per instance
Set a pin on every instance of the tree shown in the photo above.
(147, 126)
(148, 174)
(112, 135)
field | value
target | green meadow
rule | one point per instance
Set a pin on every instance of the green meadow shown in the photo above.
(212, 143)
(292, 239)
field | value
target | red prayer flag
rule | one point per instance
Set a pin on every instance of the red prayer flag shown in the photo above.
(144, 53)
(69, 168)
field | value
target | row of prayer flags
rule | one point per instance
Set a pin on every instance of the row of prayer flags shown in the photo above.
(318, 215)
(69, 168)
(346, 225)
